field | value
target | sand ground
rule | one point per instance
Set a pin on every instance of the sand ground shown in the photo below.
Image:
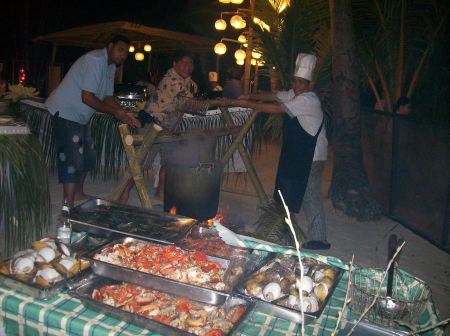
(367, 241)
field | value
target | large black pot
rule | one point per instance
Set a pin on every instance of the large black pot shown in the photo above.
(193, 190)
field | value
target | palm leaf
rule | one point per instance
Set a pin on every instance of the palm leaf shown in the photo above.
(24, 191)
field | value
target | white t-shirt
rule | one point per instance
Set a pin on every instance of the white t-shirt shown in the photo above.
(306, 107)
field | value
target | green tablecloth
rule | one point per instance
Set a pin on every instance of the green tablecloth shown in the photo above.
(63, 315)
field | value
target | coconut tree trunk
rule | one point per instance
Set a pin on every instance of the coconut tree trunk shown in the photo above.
(349, 189)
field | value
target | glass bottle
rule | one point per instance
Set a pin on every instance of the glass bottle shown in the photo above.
(65, 228)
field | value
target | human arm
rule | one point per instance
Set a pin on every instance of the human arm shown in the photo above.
(274, 107)
(261, 96)
(109, 106)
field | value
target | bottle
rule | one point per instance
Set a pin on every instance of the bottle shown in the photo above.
(65, 228)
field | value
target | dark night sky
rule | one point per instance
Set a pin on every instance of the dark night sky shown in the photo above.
(22, 20)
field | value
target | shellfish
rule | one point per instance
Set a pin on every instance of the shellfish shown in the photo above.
(271, 291)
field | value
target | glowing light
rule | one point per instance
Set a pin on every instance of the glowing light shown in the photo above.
(237, 22)
(148, 48)
(239, 54)
(139, 56)
(240, 62)
(261, 24)
(220, 48)
(256, 54)
(220, 24)
(253, 61)
(242, 38)
(225, 1)
(131, 49)
(173, 210)
(237, 2)
(245, 45)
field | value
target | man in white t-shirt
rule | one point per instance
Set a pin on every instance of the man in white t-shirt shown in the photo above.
(304, 149)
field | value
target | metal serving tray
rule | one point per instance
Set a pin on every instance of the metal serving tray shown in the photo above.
(110, 219)
(273, 309)
(37, 291)
(84, 294)
(157, 282)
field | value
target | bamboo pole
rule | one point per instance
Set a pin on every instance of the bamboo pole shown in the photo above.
(237, 144)
(137, 157)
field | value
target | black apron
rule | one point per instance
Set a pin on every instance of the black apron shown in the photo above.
(296, 158)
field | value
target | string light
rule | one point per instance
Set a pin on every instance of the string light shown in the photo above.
(239, 54)
(220, 24)
(148, 48)
(220, 48)
(237, 22)
(131, 49)
(242, 38)
(139, 56)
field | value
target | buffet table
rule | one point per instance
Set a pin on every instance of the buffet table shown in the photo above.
(63, 314)
(111, 158)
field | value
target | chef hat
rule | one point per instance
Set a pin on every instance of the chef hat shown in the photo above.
(304, 66)
(213, 76)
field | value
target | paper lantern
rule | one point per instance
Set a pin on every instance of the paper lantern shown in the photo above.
(139, 56)
(131, 49)
(236, 21)
(256, 55)
(220, 24)
(225, 1)
(148, 48)
(237, 2)
(220, 48)
(242, 38)
(240, 61)
(239, 54)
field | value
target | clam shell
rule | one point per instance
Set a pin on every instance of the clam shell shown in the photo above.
(64, 249)
(272, 291)
(321, 291)
(307, 284)
(329, 272)
(292, 301)
(67, 263)
(253, 287)
(328, 282)
(49, 274)
(23, 265)
(310, 304)
(47, 253)
(318, 275)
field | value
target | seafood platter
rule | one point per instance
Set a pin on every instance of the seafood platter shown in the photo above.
(174, 312)
(167, 267)
(44, 270)
(277, 292)
(110, 219)
(207, 240)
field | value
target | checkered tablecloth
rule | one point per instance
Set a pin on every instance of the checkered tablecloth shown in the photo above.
(63, 315)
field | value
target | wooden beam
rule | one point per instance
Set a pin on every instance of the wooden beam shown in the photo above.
(237, 143)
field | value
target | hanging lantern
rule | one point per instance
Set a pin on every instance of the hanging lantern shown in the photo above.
(139, 56)
(220, 24)
(242, 38)
(239, 54)
(240, 61)
(148, 48)
(220, 48)
(237, 2)
(236, 21)
(243, 24)
(245, 45)
(256, 54)
(131, 49)
(225, 1)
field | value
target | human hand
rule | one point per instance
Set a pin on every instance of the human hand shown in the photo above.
(128, 118)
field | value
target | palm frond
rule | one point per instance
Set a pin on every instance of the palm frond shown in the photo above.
(24, 191)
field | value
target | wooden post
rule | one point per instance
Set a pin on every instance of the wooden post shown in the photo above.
(237, 143)
(135, 160)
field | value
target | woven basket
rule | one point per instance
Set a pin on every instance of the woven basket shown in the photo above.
(410, 294)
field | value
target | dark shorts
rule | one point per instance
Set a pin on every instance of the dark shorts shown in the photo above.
(75, 149)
